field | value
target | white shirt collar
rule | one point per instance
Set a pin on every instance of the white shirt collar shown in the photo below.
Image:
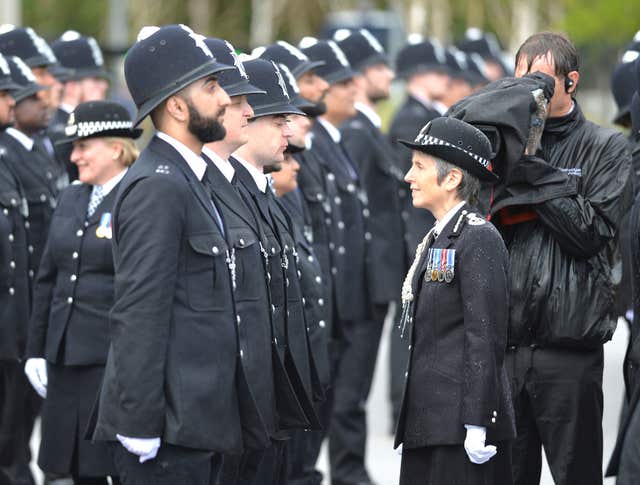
(334, 132)
(369, 113)
(109, 186)
(195, 161)
(67, 108)
(259, 177)
(308, 141)
(440, 225)
(439, 107)
(223, 165)
(24, 140)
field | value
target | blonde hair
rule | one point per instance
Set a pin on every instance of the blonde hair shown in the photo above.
(130, 151)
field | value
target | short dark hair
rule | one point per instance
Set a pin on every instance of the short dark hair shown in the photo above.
(564, 53)
(469, 187)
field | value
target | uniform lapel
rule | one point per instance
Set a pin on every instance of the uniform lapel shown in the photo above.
(83, 202)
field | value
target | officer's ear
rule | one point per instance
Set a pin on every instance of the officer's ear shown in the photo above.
(453, 179)
(177, 107)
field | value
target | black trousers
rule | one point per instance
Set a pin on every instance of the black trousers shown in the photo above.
(355, 368)
(558, 404)
(629, 467)
(256, 467)
(450, 465)
(19, 408)
(173, 465)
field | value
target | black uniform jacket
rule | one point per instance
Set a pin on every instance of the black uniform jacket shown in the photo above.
(171, 368)
(382, 179)
(349, 250)
(14, 283)
(284, 283)
(456, 372)
(406, 124)
(73, 292)
(41, 179)
(257, 399)
(313, 285)
(319, 194)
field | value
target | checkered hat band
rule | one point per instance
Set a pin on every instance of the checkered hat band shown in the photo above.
(87, 128)
(431, 140)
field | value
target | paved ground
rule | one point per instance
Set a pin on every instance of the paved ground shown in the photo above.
(384, 462)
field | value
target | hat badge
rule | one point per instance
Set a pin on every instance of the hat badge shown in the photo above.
(71, 128)
(236, 60)
(289, 74)
(4, 66)
(198, 39)
(281, 83)
(342, 59)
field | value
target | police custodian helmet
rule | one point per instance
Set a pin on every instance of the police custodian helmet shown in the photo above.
(163, 61)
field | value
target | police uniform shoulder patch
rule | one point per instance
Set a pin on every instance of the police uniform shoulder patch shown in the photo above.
(163, 169)
(474, 220)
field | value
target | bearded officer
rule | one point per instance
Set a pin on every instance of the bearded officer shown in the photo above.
(169, 402)
(457, 417)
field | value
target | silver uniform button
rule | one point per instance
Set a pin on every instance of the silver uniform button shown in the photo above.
(337, 200)
(273, 308)
(30, 249)
(304, 301)
(79, 232)
(318, 279)
(215, 250)
(27, 225)
(70, 300)
(331, 177)
(310, 258)
(405, 215)
(13, 202)
(367, 236)
(299, 274)
(75, 255)
(365, 212)
(322, 324)
(495, 414)
(341, 250)
(351, 188)
(493, 420)
(406, 374)
(340, 225)
(319, 196)
(11, 237)
(334, 270)
(31, 273)
(86, 223)
(43, 198)
(332, 246)
(73, 277)
(327, 221)
(320, 302)
(241, 353)
(12, 264)
(238, 319)
(273, 250)
(5, 212)
(241, 242)
(12, 291)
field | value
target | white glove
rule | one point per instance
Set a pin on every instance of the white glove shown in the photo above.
(474, 445)
(145, 448)
(36, 371)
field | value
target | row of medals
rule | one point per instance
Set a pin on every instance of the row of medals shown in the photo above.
(440, 267)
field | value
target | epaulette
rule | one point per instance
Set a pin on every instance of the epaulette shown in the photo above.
(475, 220)
(163, 169)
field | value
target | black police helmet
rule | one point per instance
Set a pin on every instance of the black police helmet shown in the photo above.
(420, 55)
(361, 48)
(22, 76)
(6, 82)
(234, 81)
(80, 55)
(98, 119)
(336, 67)
(163, 61)
(275, 100)
(458, 143)
(292, 89)
(24, 43)
(623, 85)
(284, 53)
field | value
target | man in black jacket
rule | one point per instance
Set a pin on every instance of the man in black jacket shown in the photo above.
(561, 310)
(169, 399)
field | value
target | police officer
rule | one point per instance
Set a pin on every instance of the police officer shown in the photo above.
(73, 293)
(86, 79)
(257, 394)
(457, 416)
(486, 46)
(351, 292)
(14, 303)
(169, 402)
(382, 179)
(268, 135)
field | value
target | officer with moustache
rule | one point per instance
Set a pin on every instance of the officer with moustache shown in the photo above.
(268, 135)
(382, 178)
(169, 400)
(14, 301)
(86, 79)
(351, 292)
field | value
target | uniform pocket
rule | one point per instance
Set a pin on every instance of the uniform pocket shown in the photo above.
(206, 272)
